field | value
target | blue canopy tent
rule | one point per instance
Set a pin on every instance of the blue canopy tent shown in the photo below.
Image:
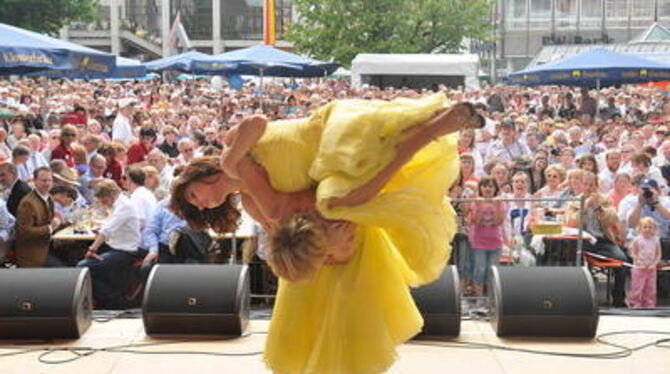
(180, 62)
(263, 60)
(593, 68)
(23, 51)
(125, 69)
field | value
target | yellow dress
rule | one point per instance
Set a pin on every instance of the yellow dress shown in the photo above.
(348, 319)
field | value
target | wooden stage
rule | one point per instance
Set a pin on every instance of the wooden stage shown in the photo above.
(412, 358)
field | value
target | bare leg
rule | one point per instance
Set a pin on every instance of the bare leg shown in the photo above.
(451, 120)
(457, 117)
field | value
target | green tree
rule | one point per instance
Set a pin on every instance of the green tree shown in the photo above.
(46, 15)
(340, 29)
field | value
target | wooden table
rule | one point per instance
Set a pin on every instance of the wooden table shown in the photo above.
(69, 234)
(244, 231)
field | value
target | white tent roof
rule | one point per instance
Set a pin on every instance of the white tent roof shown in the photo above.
(417, 64)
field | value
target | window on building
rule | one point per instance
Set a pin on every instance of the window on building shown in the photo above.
(566, 8)
(592, 8)
(517, 9)
(664, 9)
(616, 9)
(540, 8)
(643, 9)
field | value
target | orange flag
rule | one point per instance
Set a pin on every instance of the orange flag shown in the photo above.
(269, 15)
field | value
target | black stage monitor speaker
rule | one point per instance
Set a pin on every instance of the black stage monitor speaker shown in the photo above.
(440, 305)
(45, 303)
(543, 301)
(196, 300)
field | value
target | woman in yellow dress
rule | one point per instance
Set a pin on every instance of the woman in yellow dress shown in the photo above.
(375, 168)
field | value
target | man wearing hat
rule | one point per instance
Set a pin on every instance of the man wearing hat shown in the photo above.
(122, 130)
(69, 177)
(650, 203)
(507, 148)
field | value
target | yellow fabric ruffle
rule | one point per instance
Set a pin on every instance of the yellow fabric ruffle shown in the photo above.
(349, 318)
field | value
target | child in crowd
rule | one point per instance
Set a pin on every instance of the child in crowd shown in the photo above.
(486, 232)
(461, 242)
(646, 253)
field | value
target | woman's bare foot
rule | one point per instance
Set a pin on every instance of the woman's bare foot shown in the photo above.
(448, 120)
(458, 117)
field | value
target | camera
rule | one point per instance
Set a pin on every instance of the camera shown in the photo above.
(647, 194)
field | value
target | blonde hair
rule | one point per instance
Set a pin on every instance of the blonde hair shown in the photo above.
(105, 188)
(576, 173)
(79, 153)
(557, 168)
(646, 220)
(297, 248)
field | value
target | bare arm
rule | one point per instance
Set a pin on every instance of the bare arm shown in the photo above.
(633, 251)
(366, 192)
(273, 204)
(500, 211)
(634, 216)
(255, 211)
(662, 209)
(257, 189)
(242, 139)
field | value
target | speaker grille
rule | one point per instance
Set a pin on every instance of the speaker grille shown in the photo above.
(440, 305)
(543, 301)
(197, 300)
(45, 303)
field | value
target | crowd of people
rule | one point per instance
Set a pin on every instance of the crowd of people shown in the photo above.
(70, 148)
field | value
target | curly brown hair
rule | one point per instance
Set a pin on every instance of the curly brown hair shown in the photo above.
(297, 248)
(224, 218)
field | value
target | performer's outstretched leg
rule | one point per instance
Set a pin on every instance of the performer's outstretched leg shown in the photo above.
(457, 117)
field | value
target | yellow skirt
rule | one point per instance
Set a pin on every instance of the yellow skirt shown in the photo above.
(348, 319)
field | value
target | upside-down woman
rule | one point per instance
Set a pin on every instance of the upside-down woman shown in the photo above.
(353, 198)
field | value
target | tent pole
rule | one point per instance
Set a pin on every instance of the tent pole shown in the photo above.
(262, 89)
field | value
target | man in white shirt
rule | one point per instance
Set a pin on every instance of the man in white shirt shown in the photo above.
(122, 129)
(507, 148)
(158, 159)
(112, 253)
(663, 158)
(141, 198)
(641, 163)
(608, 174)
(186, 151)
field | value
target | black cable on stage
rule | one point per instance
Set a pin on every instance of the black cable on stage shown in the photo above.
(108, 316)
(81, 352)
(621, 352)
(624, 352)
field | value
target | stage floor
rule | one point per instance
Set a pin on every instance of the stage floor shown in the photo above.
(412, 358)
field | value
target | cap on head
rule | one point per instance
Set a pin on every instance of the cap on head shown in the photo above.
(648, 183)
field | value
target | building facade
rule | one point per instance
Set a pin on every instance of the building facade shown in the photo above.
(523, 27)
(143, 27)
